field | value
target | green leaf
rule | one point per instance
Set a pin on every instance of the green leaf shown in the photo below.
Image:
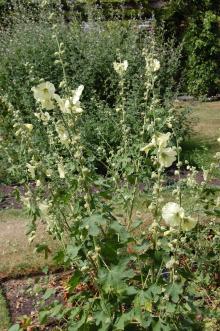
(115, 279)
(120, 230)
(77, 325)
(154, 291)
(157, 326)
(14, 327)
(123, 321)
(55, 311)
(104, 320)
(175, 290)
(170, 307)
(130, 290)
(143, 300)
(74, 280)
(72, 251)
(106, 195)
(48, 293)
(160, 326)
(93, 224)
(43, 248)
(131, 179)
(43, 316)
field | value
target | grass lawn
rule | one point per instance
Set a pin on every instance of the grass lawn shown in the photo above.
(202, 145)
(17, 255)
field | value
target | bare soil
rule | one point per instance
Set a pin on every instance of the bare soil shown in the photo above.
(7, 197)
(25, 296)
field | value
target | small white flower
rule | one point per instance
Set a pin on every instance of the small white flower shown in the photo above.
(167, 233)
(172, 214)
(167, 156)
(38, 183)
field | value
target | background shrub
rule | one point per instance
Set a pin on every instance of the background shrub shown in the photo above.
(28, 52)
(196, 24)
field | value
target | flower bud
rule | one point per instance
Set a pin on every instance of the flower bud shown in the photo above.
(97, 249)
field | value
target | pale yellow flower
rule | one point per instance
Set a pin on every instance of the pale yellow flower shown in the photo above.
(155, 65)
(159, 140)
(72, 104)
(63, 134)
(44, 117)
(120, 67)
(172, 214)
(61, 102)
(188, 223)
(49, 172)
(77, 94)
(162, 139)
(43, 91)
(61, 170)
(167, 156)
(147, 148)
(26, 201)
(38, 183)
(28, 126)
(71, 107)
(47, 104)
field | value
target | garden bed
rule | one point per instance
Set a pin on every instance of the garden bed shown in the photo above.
(25, 295)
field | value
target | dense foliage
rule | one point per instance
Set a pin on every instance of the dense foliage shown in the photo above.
(195, 23)
(29, 53)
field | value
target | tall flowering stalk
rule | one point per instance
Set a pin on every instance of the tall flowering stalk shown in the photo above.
(128, 273)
